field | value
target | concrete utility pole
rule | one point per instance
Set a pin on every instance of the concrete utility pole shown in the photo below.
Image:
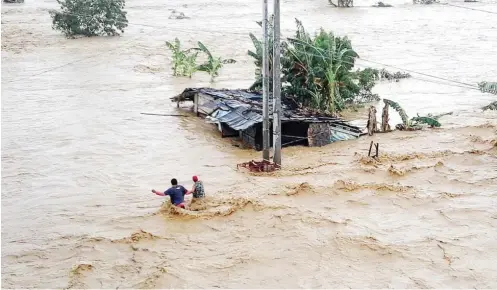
(265, 83)
(276, 86)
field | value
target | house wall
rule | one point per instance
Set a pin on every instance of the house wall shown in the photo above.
(200, 100)
(319, 134)
(252, 137)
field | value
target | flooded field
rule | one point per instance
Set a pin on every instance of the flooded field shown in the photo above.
(78, 159)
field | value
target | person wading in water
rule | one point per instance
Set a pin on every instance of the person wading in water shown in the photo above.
(176, 192)
(197, 189)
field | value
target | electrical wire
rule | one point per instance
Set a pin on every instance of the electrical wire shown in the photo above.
(469, 8)
(237, 33)
(75, 61)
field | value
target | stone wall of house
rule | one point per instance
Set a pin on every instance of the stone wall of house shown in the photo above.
(319, 134)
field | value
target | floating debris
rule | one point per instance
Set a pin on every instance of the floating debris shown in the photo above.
(177, 15)
(491, 106)
(381, 4)
(259, 166)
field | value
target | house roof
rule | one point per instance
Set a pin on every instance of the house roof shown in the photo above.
(241, 109)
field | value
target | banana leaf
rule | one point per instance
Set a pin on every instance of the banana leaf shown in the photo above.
(426, 120)
(398, 108)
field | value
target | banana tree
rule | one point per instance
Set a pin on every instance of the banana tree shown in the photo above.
(213, 64)
(190, 63)
(257, 55)
(400, 110)
(178, 56)
(318, 69)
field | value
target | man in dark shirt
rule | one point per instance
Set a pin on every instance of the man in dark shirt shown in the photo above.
(176, 192)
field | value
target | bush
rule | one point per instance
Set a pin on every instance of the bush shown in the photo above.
(89, 17)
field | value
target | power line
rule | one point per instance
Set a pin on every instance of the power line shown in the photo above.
(469, 8)
(382, 64)
(244, 34)
(71, 63)
(419, 73)
(446, 84)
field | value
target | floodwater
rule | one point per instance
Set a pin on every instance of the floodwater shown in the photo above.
(79, 161)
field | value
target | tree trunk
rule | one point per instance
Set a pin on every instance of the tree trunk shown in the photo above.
(372, 121)
(385, 127)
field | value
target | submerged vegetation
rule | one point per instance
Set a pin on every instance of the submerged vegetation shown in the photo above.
(213, 64)
(185, 60)
(342, 3)
(89, 17)
(412, 124)
(318, 70)
(489, 87)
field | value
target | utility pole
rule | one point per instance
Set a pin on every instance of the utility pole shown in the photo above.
(276, 86)
(265, 83)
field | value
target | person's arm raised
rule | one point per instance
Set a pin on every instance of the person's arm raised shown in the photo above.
(158, 192)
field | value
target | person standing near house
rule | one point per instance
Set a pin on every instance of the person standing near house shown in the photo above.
(197, 188)
(176, 192)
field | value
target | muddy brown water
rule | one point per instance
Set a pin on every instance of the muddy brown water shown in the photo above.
(78, 160)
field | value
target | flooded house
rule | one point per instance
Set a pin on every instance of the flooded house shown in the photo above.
(238, 113)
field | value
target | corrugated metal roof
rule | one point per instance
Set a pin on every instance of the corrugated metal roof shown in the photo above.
(340, 136)
(240, 118)
(245, 110)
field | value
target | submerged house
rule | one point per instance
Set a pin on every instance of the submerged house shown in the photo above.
(238, 113)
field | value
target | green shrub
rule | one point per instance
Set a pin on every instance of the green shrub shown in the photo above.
(89, 17)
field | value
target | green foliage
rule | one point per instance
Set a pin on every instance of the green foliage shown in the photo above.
(426, 120)
(213, 64)
(317, 70)
(184, 61)
(400, 110)
(488, 87)
(89, 17)
(190, 63)
(257, 55)
(436, 117)
(384, 74)
(367, 79)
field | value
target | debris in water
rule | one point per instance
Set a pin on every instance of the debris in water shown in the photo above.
(491, 106)
(376, 146)
(77, 270)
(177, 15)
(259, 166)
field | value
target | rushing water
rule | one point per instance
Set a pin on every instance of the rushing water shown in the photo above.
(78, 160)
